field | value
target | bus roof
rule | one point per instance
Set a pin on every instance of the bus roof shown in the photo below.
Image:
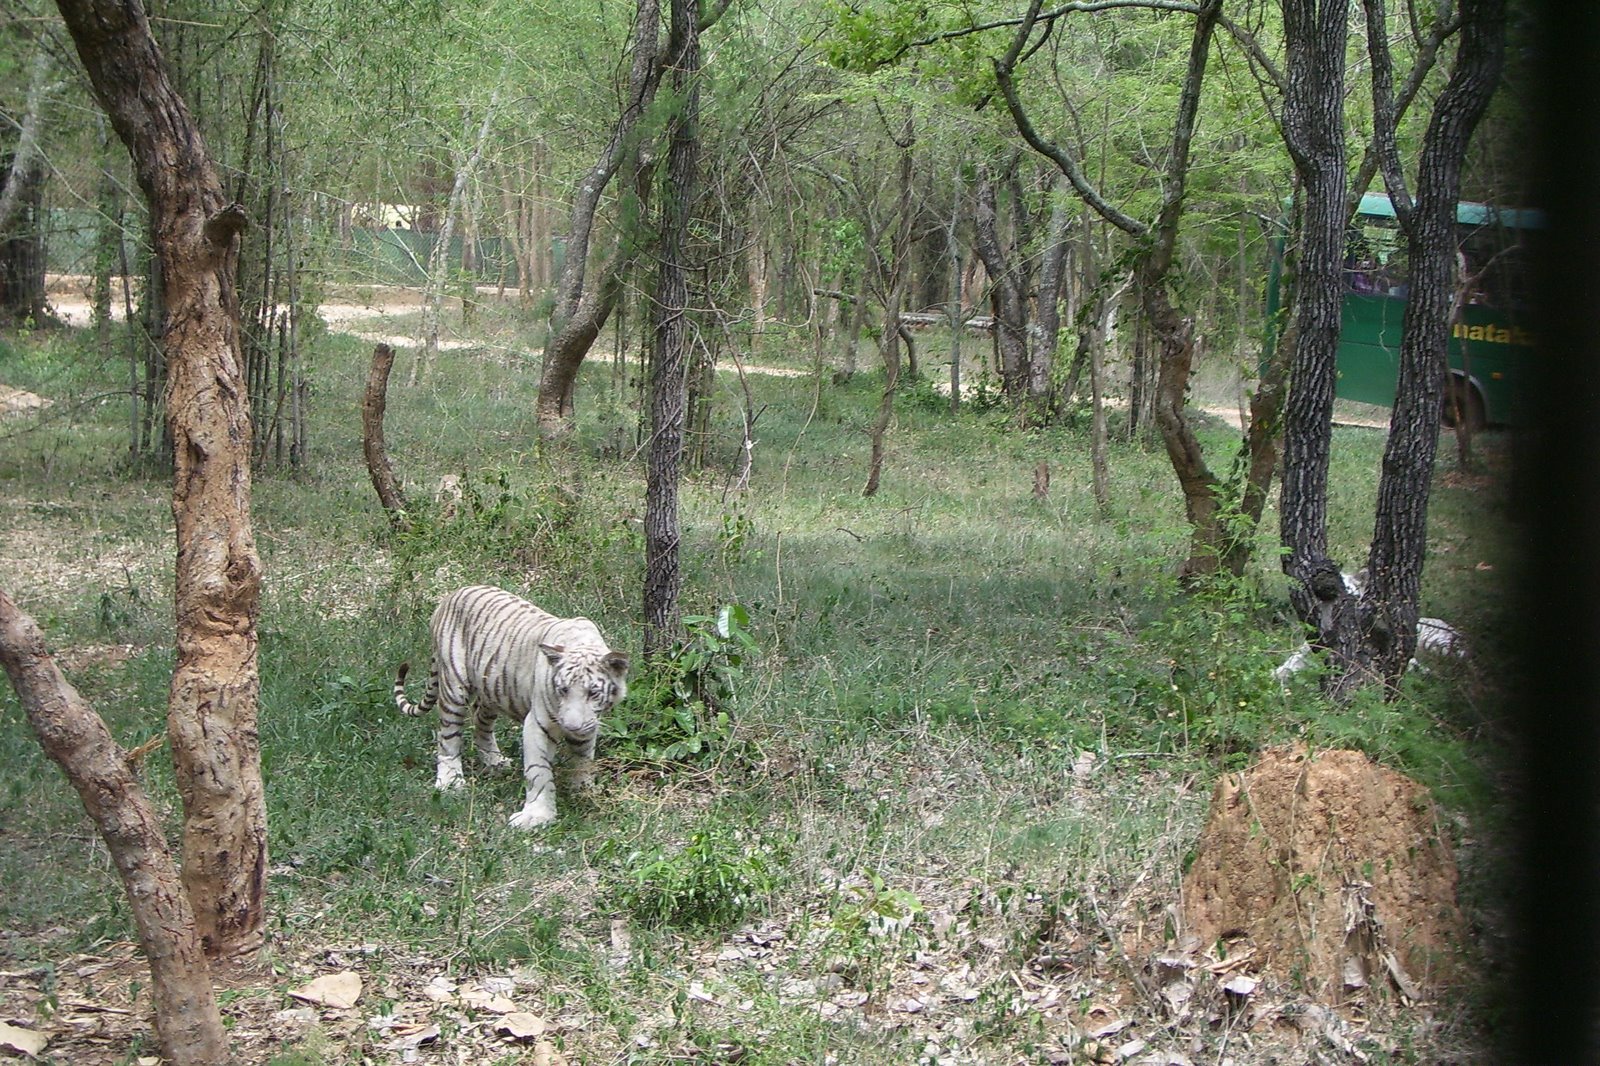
(1376, 204)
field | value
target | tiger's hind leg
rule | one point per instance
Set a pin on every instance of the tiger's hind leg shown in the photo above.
(483, 742)
(452, 722)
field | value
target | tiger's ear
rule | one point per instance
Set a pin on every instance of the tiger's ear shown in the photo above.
(553, 652)
(617, 663)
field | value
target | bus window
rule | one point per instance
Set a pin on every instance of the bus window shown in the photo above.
(1375, 261)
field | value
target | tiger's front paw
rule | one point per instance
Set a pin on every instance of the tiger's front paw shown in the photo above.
(493, 760)
(449, 779)
(533, 817)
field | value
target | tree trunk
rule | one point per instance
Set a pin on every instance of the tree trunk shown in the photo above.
(858, 318)
(439, 261)
(1010, 303)
(1045, 326)
(890, 346)
(22, 171)
(566, 350)
(757, 269)
(22, 296)
(1313, 129)
(953, 308)
(643, 78)
(559, 370)
(373, 448)
(1175, 332)
(513, 206)
(895, 276)
(188, 1024)
(1091, 307)
(1390, 604)
(1099, 464)
(663, 577)
(213, 704)
(1212, 534)
(1202, 505)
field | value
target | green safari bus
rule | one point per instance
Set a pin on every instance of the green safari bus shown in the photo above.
(1492, 338)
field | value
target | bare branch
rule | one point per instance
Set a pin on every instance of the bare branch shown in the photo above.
(1384, 113)
(1252, 48)
(1047, 17)
(1427, 57)
(1003, 71)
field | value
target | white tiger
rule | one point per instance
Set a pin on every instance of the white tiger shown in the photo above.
(506, 656)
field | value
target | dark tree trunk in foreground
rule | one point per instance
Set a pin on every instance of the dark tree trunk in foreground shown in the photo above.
(1313, 128)
(663, 579)
(22, 296)
(373, 448)
(1374, 635)
(188, 1025)
(213, 703)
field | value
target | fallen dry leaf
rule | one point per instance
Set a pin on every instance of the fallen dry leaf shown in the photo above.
(521, 1025)
(412, 1036)
(545, 1054)
(1130, 1049)
(23, 1041)
(1241, 985)
(297, 1015)
(337, 990)
(487, 999)
(440, 990)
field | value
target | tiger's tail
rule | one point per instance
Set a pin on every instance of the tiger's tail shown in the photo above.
(430, 695)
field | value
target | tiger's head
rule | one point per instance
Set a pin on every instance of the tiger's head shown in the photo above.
(586, 682)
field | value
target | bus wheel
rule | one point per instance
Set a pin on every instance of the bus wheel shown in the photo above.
(1463, 395)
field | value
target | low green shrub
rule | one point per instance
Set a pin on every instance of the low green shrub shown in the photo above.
(718, 877)
(1221, 646)
(676, 710)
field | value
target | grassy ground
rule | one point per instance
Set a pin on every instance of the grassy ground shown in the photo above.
(967, 740)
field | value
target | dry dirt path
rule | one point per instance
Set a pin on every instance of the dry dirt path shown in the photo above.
(361, 311)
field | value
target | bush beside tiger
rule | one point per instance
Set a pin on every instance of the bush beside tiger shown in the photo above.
(503, 655)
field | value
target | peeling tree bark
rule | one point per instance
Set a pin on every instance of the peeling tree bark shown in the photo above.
(188, 1024)
(373, 404)
(213, 703)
